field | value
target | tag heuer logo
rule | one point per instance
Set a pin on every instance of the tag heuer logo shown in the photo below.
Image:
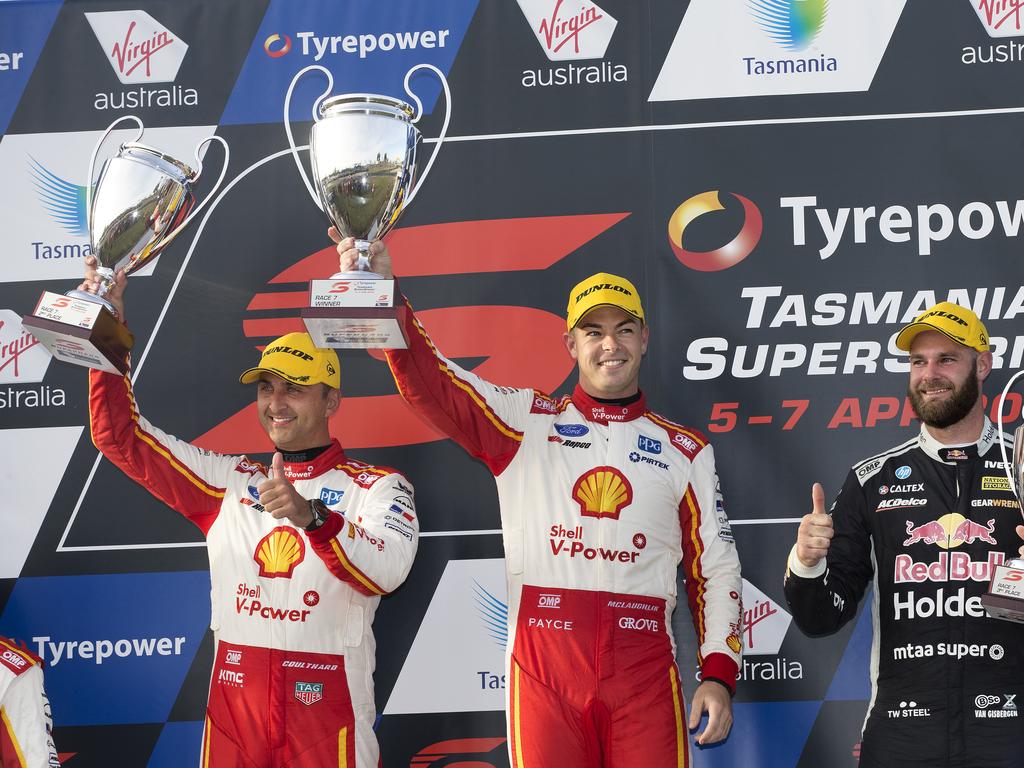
(309, 693)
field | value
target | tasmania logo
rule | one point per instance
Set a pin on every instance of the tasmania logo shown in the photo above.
(279, 552)
(139, 48)
(602, 492)
(566, 31)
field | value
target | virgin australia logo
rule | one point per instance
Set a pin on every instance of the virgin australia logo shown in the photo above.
(1002, 18)
(578, 30)
(139, 48)
(793, 24)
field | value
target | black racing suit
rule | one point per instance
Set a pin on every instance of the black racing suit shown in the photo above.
(928, 522)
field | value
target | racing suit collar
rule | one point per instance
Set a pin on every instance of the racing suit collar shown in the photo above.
(326, 460)
(952, 454)
(602, 413)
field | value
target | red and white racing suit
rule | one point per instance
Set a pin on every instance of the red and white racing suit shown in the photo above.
(25, 721)
(599, 505)
(292, 611)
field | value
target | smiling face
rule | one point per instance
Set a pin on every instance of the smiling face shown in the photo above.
(608, 345)
(945, 379)
(295, 417)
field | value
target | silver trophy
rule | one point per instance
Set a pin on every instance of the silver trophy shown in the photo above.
(142, 200)
(1005, 597)
(363, 151)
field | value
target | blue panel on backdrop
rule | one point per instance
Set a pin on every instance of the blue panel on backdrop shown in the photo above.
(179, 745)
(24, 28)
(852, 679)
(368, 47)
(117, 648)
(768, 735)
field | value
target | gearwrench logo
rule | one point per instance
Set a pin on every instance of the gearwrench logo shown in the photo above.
(728, 255)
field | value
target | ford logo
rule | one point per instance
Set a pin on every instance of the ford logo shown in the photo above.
(571, 430)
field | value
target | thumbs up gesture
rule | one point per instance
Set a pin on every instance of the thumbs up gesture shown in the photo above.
(279, 497)
(816, 530)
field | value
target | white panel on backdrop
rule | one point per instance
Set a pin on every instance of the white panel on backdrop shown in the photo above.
(42, 202)
(457, 661)
(767, 47)
(33, 465)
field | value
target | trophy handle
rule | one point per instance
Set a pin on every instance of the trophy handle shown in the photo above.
(195, 176)
(419, 114)
(316, 118)
(1018, 435)
(92, 160)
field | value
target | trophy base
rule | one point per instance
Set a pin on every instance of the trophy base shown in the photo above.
(356, 327)
(80, 331)
(1005, 596)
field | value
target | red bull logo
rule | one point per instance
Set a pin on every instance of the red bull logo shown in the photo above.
(949, 531)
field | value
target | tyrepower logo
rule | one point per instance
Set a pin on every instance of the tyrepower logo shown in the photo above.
(311, 44)
(1001, 18)
(729, 255)
(139, 48)
(568, 31)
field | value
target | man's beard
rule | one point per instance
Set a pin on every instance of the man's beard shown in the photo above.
(946, 413)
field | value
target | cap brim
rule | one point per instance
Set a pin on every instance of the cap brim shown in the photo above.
(588, 310)
(907, 335)
(252, 375)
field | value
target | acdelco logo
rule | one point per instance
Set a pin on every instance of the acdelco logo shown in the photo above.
(275, 51)
(279, 552)
(602, 492)
(730, 254)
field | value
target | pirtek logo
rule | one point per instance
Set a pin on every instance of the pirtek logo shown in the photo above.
(603, 287)
(289, 351)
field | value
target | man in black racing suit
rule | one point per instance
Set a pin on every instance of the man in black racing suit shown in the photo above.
(928, 521)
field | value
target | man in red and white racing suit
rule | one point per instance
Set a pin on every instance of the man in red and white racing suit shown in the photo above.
(601, 500)
(299, 557)
(25, 721)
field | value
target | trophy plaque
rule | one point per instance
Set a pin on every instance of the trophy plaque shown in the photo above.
(363, 151)
(142, 199)
(1005, 596)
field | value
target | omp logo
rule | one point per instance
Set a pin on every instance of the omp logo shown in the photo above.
(13, 659)
(279, 552)
(793, 24)
(22, 358)
(566, 31)
(602, 492)
(63, 200)
(275, 48)
(233, 657)
(728, 255)
(1001, 18)
(139, 48)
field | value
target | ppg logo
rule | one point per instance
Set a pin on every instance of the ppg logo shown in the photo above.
(330, 497)
(549, 601)
(648, 444)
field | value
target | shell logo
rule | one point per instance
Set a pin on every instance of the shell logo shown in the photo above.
(602, 492)
(279, 552)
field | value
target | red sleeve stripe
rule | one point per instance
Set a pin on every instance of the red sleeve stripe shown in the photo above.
(7, 734)
(358, 575)
(152, 442)
(694, 547)
(697, 437)
(354, 470)
(501, 426)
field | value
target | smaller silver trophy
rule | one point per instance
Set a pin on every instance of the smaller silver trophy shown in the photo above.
(363, 149)
(1005, 596)
(142, 200)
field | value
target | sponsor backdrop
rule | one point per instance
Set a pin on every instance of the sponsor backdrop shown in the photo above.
(786, 181)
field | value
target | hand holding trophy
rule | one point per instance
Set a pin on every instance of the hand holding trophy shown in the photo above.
(363, 154)
(142, 200)
(1005, 597)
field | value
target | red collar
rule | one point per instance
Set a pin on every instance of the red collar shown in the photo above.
(329, 459)
(603, 413)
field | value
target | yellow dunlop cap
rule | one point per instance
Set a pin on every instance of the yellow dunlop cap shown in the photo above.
(295, 358)
(602, 289)
(952, 320)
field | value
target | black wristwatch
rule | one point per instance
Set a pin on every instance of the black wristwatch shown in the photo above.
(320, 514)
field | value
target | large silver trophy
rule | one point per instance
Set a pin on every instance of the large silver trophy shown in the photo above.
(142, 200)
(1005, 597)
(363, 150)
